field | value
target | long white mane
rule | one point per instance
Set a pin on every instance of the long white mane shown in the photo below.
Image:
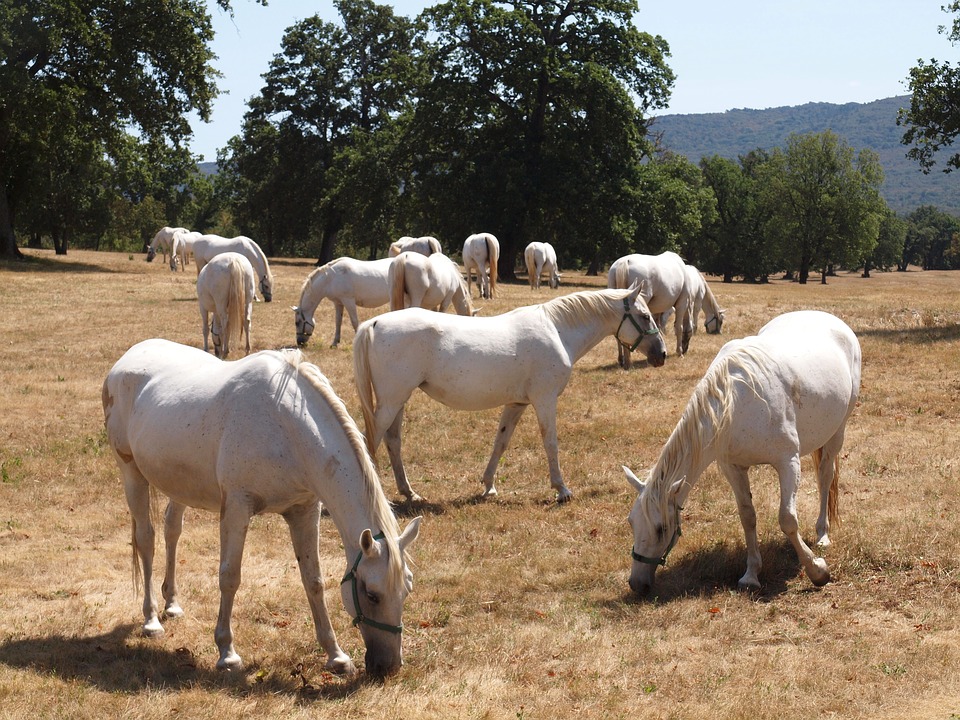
(578, 307)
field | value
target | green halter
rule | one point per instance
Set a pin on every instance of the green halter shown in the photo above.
(643, 333)
(662, 560)
(361, 618)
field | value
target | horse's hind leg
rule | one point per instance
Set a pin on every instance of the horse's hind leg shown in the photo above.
(509, 417)
(789, 473)
(391, 438)
(827, 463)
(137, 491)
(739, 479)
(172, 528)
(304, 532)
(234, 523)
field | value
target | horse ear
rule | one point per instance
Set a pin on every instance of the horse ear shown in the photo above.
(675, 488)
(636, 482)
(294, 308)
(368, 546)
(409, 534)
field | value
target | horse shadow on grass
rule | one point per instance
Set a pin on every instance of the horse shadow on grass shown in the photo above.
(121, 661)
(718, 569)
(57, 264)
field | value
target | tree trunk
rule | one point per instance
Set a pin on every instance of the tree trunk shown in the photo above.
(59, 241)
(8, 242)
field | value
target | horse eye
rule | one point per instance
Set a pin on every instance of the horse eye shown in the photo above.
(373, 598)
(660, 532)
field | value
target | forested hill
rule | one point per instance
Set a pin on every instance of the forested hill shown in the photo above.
(869, 125)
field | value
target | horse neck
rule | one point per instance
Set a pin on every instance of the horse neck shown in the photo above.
(709, 301)
(461, 300)
(313, 292)
(687, 453)
(579, 337)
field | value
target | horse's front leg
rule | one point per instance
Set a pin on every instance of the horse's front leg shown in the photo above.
(303, 523)
(789, 473)
(739, 479)
(547, 418)
(172, 528)
(391, 439)
(234, 522)
(509, 417)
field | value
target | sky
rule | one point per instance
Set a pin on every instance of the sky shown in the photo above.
(726, 54)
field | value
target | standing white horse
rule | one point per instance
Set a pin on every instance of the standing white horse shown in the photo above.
(524, 357)
(163, 240)
(425, 245)
(700, 297)
(540, 257)
(185, 248)
(433, 282)
(481, 252)
(285, 444)
(348, 283)
(225, 288)
(664, 279)
(765, 400)
(207, 247)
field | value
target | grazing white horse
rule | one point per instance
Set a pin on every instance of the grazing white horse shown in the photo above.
(664, 279)
(185, 247)
(225, 288)
(524, 357)
(425, 245)
(177, 424)
(433, 282)
(349, 284)
(540, 257)
(700, 297)
(207, 247)
(164, 240)
(765, 400)
(481, 252)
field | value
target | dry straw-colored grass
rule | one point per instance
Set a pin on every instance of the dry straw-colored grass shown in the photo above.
(520, 608)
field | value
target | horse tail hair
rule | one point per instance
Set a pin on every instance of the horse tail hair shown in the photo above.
(493, 255)
(833, 496)
(530, 263)
(397, 278)
(236, 301)
(364, 383)
(622, 275)
(434, 245)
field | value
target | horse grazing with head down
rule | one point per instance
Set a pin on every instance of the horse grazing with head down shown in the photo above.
(164, 241)
(206, 247)
(265, 434)
(425, 245)
(540, 257)
(481, 252)
(225, 288)
(524, 357)
(765, 400)
(700, 297)
(433, 282)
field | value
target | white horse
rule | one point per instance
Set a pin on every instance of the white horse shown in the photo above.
(348, 283)
(185, 247)
(700, 297)
(285, 444)
(425, 245)
(540, 257)
(524, 357)
(163, 240)
(767, 399)
(433, 282)
(225, 288)
(481, 252)
(207, 247)
(664, 279)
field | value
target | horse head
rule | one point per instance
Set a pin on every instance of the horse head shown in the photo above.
(638, 329)
(374, 596)
(304, 325)
(151, 253)
(656, 529)
(716, 321)
(266, 288)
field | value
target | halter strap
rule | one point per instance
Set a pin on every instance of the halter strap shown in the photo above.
(627, 315)
(662, 560)
(712, 319)
(361, 618)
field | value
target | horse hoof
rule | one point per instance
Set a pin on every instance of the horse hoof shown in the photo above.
(748, 586)
(229, 662)
(819, 573)
(153, 629)
(564, 496)
(490, 492)
(173, 610)
(341, 665)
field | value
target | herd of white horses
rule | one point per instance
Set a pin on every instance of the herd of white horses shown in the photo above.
(267, 433)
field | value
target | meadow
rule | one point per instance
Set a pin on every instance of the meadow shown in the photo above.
(520, 607)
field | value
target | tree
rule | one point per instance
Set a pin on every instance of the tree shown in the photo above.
(933, 119)
(889, 248)
(77, 78)
(530, 124)
(931, 239)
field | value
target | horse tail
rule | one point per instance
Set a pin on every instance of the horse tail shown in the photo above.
(397, 278)
(622, 276)
(364, 383)
(236, 300)
(833, 496)
(434, 245)
(493, 255)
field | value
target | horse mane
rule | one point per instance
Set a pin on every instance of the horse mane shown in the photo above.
(705, 419)
(578, 307)
(374, 498)
(709, 297)
(316, 273)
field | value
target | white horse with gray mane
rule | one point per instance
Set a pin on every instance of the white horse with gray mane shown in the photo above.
(225, 287)
(540, 257)
(524, 357)
(206, 247)
(664, 281)
(425, 245)
(347, 283)
(481, 252)
(177, 424)
(765, 400)
(433, 282)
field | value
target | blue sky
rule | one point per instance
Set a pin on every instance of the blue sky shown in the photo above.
(726, 54)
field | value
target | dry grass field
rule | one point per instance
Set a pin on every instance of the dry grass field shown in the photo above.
(520, 608)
